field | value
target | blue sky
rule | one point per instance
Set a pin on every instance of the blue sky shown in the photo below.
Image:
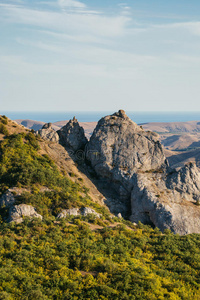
(69, 55)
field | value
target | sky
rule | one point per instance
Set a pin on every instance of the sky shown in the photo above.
(105, 55)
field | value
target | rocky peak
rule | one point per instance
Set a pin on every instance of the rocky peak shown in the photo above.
(47, 126)
(48, 133)
(121, 113)
(72, 135)
(119, 147)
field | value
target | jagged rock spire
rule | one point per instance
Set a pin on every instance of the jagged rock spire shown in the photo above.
(72, 135)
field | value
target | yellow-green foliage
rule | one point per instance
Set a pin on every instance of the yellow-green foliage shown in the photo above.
(47, 260)
(3, 128)
(4, 120)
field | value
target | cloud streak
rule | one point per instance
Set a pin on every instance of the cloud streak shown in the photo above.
(108, 26)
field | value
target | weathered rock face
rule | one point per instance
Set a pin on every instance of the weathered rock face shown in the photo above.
(169, 201)
(68, 212)
(76, 212)
(7, 199)
(133, 161)
(87, 211)
(186, 181)
(119, 147)
(17, 212)
(72, 136)
(48, 133)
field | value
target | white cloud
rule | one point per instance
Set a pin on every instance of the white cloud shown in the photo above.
(71, 3)
(98, 25)
(192, 27)
(40, 45)
(87, 38)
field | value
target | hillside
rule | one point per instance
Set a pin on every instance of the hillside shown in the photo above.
(80, 257)
(173, 127)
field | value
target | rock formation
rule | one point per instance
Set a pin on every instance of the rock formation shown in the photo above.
(68, 212)
(87, 211)
(76, 212)
(133, 161)
(72, 136)
(17, 212)
(119, 147)
(7, 199)
(48, 133)
(168, 200)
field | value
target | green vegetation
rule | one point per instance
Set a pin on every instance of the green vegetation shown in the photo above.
(83, 257)
(4, 120)
(51, 260)
(3, 128)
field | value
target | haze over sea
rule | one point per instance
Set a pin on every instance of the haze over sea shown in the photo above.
(138, 117)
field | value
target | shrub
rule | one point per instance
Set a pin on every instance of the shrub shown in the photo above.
(3, 129)
(4, 120)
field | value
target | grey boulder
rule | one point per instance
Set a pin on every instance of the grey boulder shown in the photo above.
(77, 212)
(17, 212)
(68, 212)
(7, 199)
(48, 133)
(87, 211)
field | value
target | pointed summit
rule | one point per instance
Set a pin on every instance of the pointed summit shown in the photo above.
(121, 113)
(119, 148)
(72, 135)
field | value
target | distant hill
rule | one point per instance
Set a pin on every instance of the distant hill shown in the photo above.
(173, 127)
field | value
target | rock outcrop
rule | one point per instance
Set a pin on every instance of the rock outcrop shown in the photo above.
(72, 136)
(76, 212)
(68, 212)
(133, 161)
(168, 200)
(186, 181)
(17, 212)
(87, 211)
(7, 199)
(48, 133)
(119, 147)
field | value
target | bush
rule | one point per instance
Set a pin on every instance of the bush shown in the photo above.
(3, 129)
(4, 120)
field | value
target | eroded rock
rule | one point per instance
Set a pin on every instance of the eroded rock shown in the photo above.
(48, 133)
(68, 212)
(72, 136)
(7, 199)
(87, 210)
(168, 201)
(119, 148)
(76, 212)
(17, 212)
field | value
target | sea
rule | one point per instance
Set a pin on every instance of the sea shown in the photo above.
(138, 117)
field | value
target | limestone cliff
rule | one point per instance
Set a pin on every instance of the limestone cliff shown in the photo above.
(119, 147)
(168, 200)
(133, 161)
